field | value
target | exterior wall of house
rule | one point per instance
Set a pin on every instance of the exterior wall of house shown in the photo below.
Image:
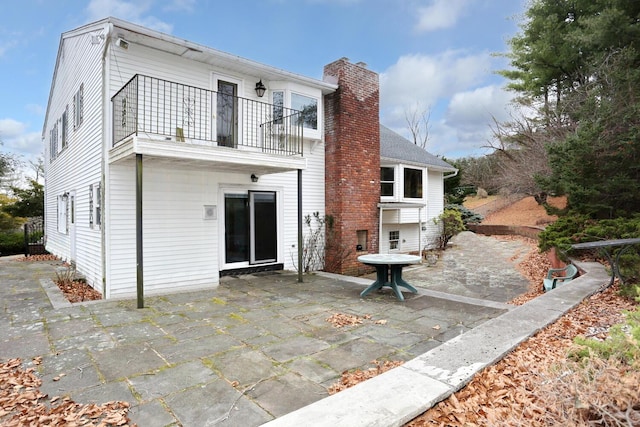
(406, 220)
(182, 250)
(435, 206)
(78, 165)
(352, 135)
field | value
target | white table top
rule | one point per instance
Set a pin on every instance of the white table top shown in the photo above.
(389, 259)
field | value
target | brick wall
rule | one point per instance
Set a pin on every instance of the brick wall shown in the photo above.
(352, 161)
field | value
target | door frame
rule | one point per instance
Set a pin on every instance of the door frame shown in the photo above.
(215, 78)
(244, 189)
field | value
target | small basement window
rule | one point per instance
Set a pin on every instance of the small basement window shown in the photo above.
(394, 240)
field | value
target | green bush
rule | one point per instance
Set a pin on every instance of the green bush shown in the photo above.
(11, 243)
(623, 343)
(450, 223)
(468, 216)
(574, 228)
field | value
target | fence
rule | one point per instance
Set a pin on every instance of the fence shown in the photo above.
(34, 237)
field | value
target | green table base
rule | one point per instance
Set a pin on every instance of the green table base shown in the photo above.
(382, 273)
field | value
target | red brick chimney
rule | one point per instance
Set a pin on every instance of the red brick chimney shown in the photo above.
(352, 163)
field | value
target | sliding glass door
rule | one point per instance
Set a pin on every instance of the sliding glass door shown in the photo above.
(251, 227)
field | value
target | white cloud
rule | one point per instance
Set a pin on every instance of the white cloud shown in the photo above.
(17, 139)
(473, 109)
(425, 79)
(454, 87)
(181, 5)
(129, 11)
(440, 14)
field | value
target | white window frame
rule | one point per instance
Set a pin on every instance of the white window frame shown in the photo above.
(78, 107)
(63, 213)
(95, 206)
(288, 89)
(393, 197)
(393, 239)
(423, 180)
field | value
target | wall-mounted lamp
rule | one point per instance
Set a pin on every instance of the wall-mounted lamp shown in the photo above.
(254, 177)
(122, 43)
(260, 89)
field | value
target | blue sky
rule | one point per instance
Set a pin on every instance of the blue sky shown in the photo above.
(433, 55)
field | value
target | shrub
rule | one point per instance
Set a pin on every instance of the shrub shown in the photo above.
(11, 243)
(468, 216)
(574, 228)
(450, 223)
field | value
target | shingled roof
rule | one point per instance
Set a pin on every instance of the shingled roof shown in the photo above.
(396, 148)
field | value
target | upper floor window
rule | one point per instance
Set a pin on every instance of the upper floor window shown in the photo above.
(286, 95)
(78, 107)
(64, 127)
(412, 183)
(53, 142)
(309, 108)
(387, 181)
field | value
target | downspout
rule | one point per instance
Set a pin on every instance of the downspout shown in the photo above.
(105, 149)
(420, 233)
(380, 230)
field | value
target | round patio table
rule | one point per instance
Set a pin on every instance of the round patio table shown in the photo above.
(385, 263)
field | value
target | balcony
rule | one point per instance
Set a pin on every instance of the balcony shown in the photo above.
(160, 110)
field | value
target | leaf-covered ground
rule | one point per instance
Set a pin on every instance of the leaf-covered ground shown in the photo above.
(537, 384)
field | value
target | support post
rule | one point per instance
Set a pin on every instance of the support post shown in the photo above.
(300, 226)
(139, 263)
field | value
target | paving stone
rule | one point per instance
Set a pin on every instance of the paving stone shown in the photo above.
(126, 361)
(353, 354)
(25, 347)
(294, 347)
(246, 367)
(167, 380)
(151, 413)
(215, 404)
(287, 393)
(108, 392)
(184, 351)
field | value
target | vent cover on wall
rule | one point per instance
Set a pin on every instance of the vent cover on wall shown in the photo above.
(210, 212)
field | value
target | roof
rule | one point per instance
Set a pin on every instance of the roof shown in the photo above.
(110, 28)
(396, 148)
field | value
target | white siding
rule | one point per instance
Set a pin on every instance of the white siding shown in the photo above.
(406, 220)
(434, 207)
(182, 250)
(79, 165)
(312, 198)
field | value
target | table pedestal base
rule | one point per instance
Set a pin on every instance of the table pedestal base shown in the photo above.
(382, 272)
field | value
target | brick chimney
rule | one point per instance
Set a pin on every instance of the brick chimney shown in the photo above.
(352, 164)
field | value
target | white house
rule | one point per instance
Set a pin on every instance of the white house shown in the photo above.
(411, 194)
(169, 163)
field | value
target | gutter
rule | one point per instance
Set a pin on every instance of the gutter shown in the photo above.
(451, 175)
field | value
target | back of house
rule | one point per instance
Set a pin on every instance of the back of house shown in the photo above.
(176, 162)
(169, 164)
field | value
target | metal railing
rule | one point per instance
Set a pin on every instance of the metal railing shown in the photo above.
(165, 110)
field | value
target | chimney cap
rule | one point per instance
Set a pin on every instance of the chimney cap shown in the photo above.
(362, 64)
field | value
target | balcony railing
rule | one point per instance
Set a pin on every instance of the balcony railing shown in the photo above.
(164, 110)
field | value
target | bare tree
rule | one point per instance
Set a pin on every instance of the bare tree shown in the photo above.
(418, 123)
(520, 149)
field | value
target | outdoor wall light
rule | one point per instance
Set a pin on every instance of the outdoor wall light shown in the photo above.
(260, 89)
(254, 177)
